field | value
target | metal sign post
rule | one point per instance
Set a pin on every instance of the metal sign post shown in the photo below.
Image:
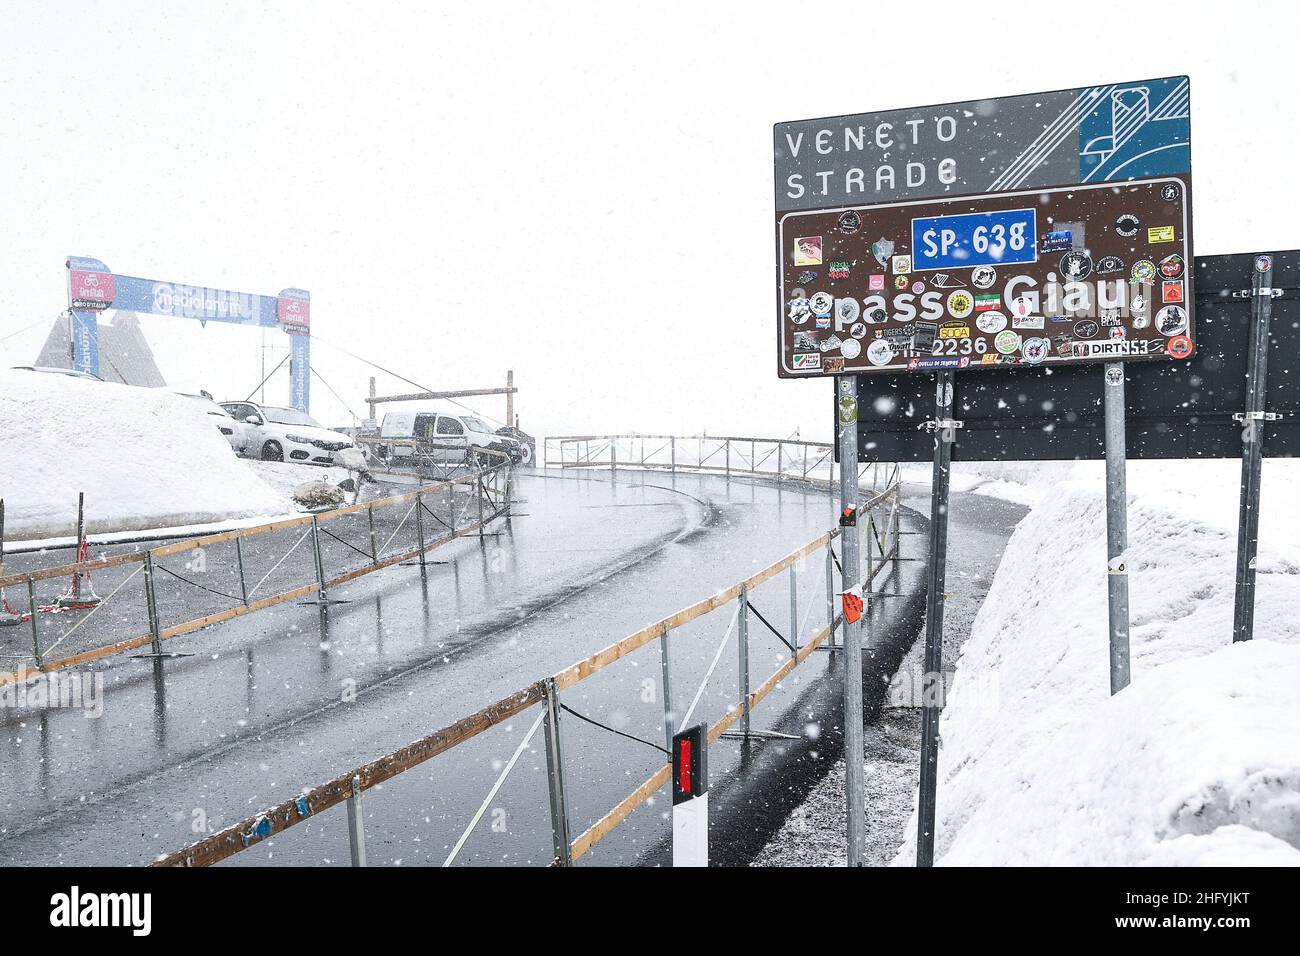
(1116, 527)
(854, 776)
(690, 750)
(1252, 439)
(945, 432)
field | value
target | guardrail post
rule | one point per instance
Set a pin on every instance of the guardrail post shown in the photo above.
(478, 494)
(830, 591)
(356, 825)
(451, 505)
(36, 634)
(419, 523)
(239, 559)
(794, 610)
(726, 443)
(871, 564)
(672, 449)
(613, 456)
(665, 665)
(151, 600)
(742, 638)
(316, 556)
(555, 777)
(374, 541)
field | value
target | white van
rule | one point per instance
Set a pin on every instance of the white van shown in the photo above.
(445, 437)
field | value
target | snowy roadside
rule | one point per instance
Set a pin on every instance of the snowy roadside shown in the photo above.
(1196, 762)
(282, 477)
(144, 459)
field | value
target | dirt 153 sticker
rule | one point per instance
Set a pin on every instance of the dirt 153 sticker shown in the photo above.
(1053, 276)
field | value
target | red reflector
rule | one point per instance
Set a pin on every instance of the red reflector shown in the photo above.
(684, 774)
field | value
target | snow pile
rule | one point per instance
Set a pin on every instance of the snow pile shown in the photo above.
(1023, 482)
(1198, 760)
(144, 458)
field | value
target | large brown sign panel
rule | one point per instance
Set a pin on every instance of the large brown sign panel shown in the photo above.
(1043, 277)
(1045, 229)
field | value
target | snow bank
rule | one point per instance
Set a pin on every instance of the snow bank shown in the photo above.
(1024, 483)
(1198, 761)
(144, 458)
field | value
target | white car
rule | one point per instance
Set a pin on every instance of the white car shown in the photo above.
(237, 433)
(286, 434)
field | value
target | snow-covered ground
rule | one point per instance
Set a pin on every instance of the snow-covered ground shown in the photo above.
(284, 476)
(1196, 762)
(145, 458)
(1023, 482)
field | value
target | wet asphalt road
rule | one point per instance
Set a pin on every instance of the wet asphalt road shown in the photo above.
(274, 702)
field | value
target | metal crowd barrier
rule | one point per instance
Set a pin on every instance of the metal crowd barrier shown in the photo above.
(221, 574)
(879, 518)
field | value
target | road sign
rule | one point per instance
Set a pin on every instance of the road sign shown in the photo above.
(1174, 409)
(1051, 229)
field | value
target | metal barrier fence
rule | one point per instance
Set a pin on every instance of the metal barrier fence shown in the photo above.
(218, 577)
(879, 517)
(781, 459)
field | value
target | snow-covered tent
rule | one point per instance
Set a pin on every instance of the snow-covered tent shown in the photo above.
(124, 355)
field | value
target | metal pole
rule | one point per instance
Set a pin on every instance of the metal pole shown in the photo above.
(419, 523)
(897, 514)
(726, 442)
(665, 666)
(374, 541)
(81, 534)
(871, 562)
(36, 636)
(555, 777)
(794, 612)
(944, 435)
(356, 825)
(151, 600)
(850, 636)
(478, 494)
(316, 555)
(672, 444)
(613, 456)
(830, 591)
(742, 639)
(1252, 452)
(239, 558)
(1116, 527)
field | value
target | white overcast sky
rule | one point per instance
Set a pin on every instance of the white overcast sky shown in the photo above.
(578, 191)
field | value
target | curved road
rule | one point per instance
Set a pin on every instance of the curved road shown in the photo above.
(289, 697)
